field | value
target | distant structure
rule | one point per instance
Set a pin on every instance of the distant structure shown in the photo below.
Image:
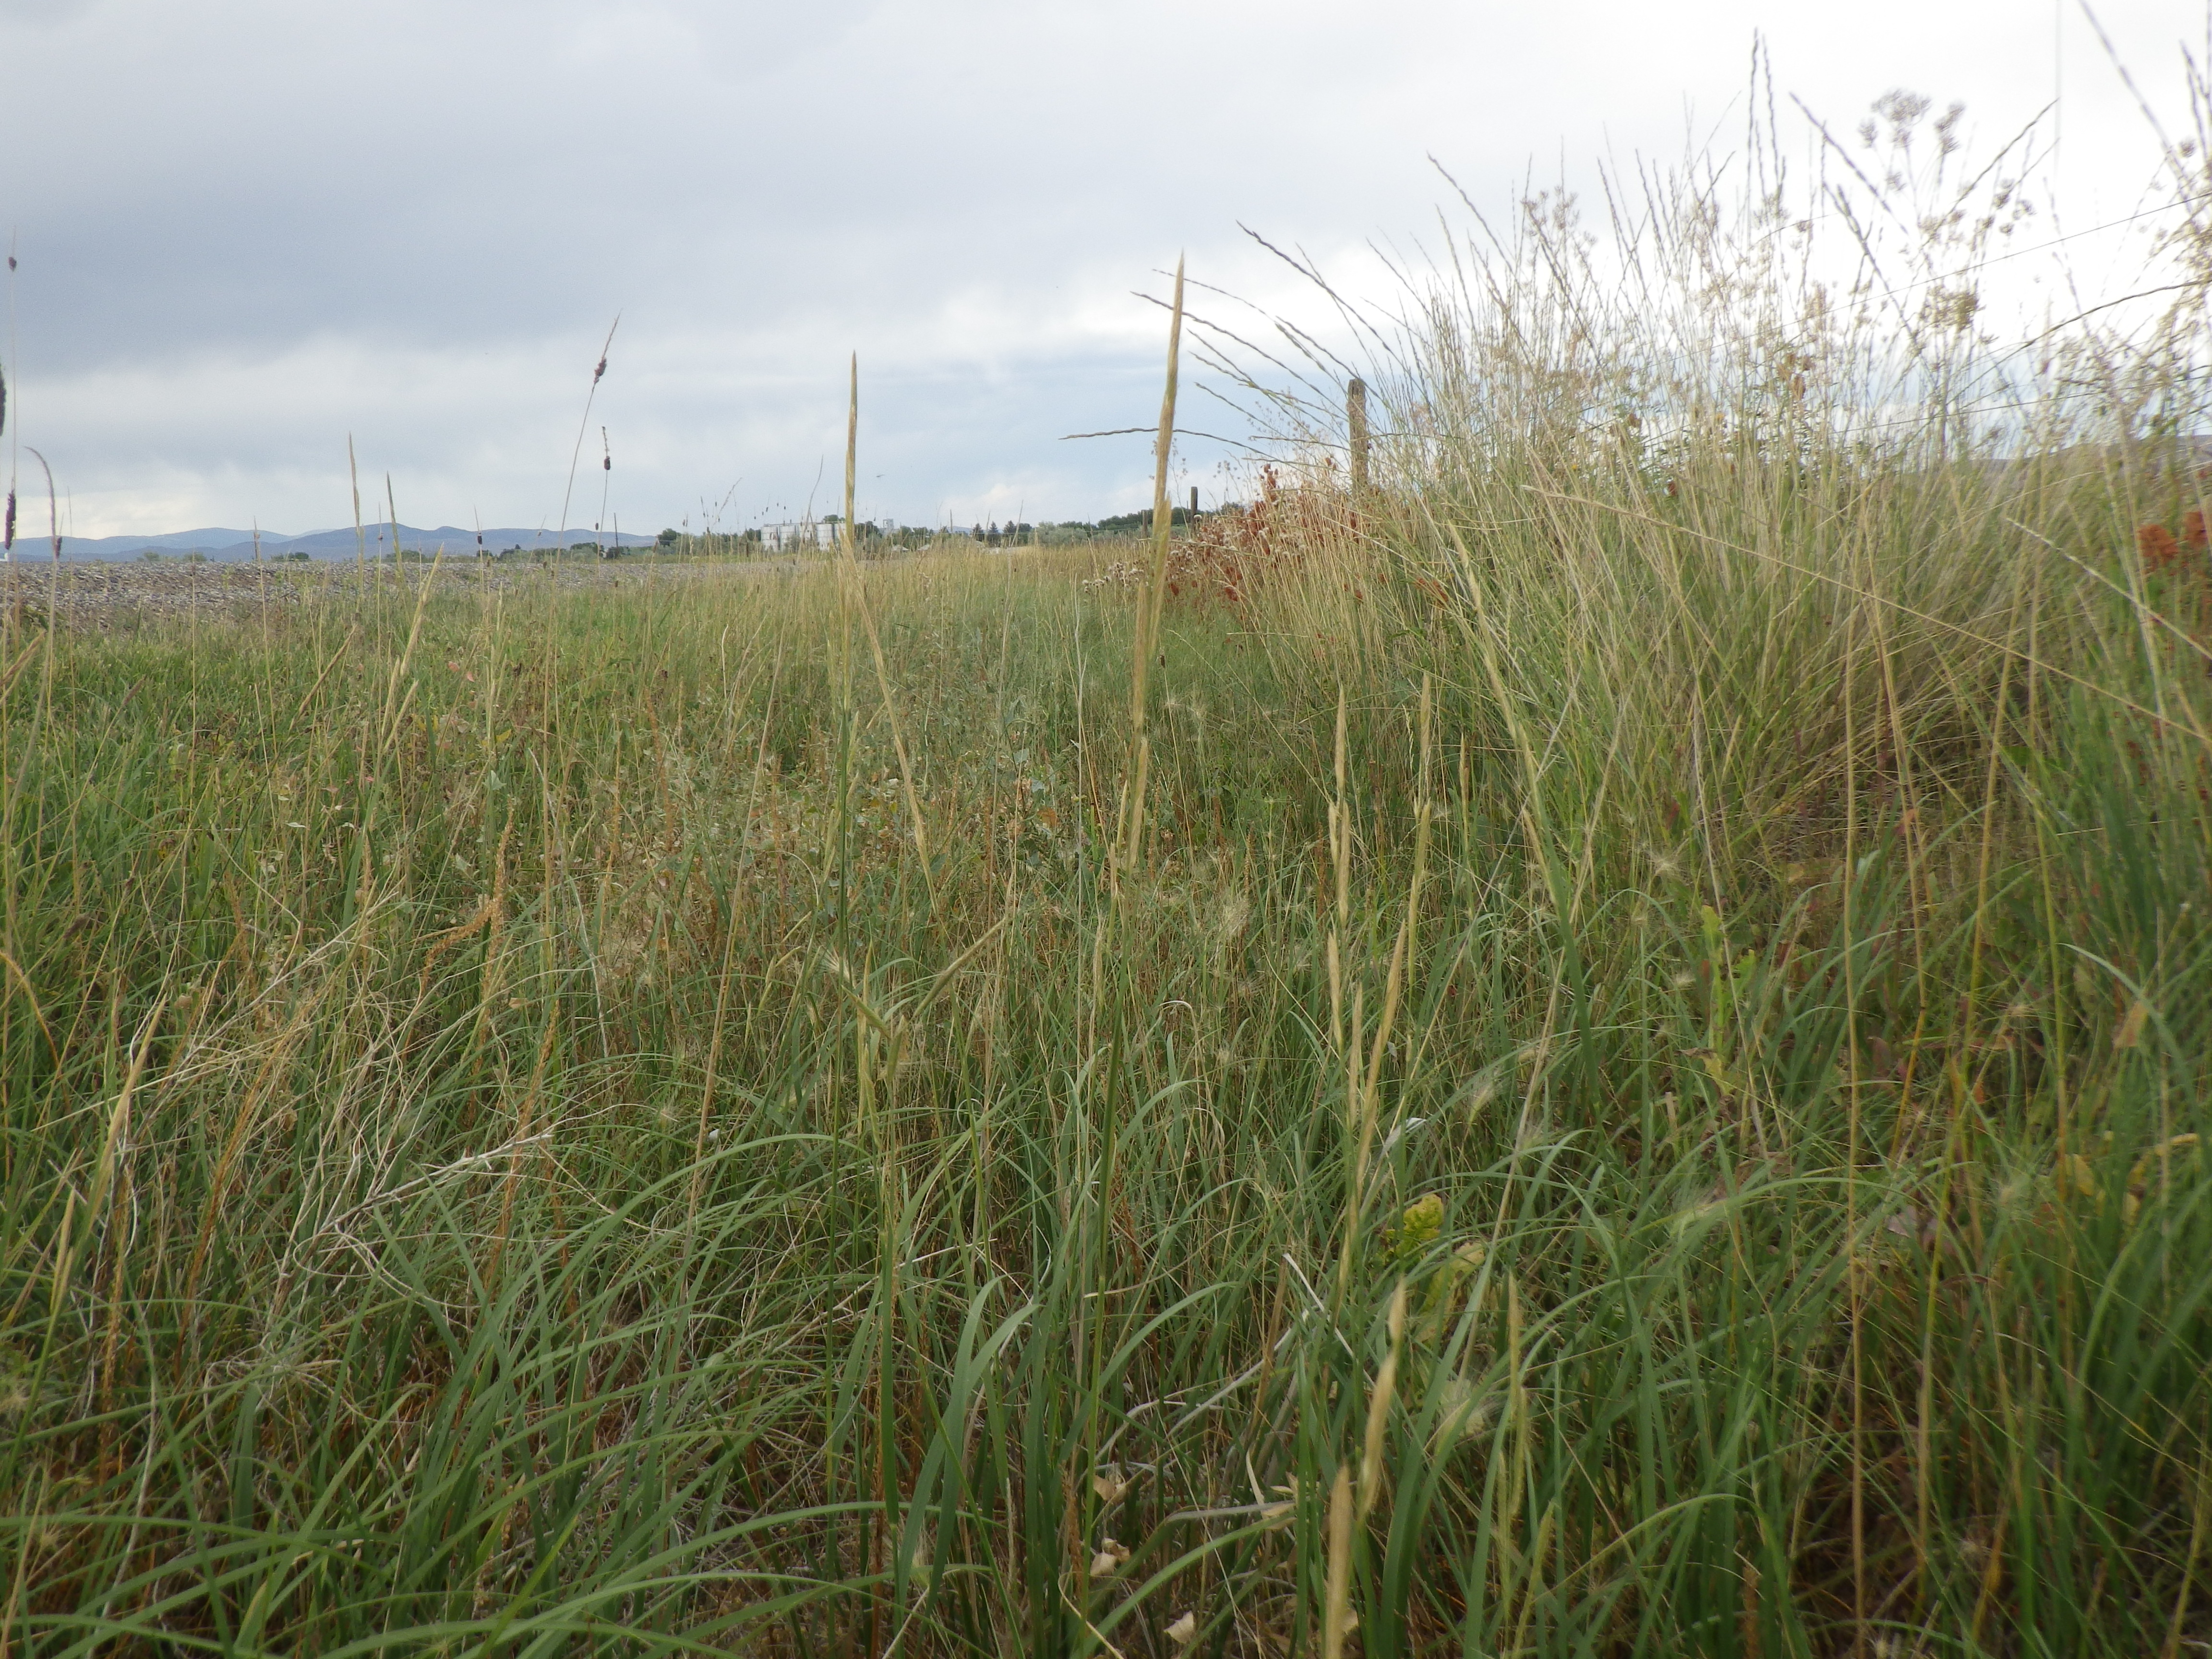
(812, 532)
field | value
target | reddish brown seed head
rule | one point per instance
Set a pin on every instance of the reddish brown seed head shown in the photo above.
(2156, 544)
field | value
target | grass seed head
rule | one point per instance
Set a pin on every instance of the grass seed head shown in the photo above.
(2156, 544)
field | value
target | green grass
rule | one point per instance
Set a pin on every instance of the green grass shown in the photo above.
(518, 1164)
(1646, 1093)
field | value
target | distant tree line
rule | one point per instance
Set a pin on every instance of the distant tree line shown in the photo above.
(874, 538)
(1138, 523)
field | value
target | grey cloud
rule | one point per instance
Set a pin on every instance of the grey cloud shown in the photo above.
(42, 12)
(249, 226)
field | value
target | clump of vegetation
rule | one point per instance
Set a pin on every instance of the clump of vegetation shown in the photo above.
(1640, 1090)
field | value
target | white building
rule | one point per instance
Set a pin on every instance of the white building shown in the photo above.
(812, 532)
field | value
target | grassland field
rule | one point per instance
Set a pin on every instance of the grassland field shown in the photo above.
(1584, 1032)
(522, 1134)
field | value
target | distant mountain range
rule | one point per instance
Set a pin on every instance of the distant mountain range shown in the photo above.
(215, 542)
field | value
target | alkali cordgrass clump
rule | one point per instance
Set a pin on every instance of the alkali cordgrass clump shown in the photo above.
(1644, 1093)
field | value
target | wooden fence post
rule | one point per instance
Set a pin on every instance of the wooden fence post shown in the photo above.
(1355, 417)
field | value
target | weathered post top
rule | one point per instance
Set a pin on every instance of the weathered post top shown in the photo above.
(1355, 419)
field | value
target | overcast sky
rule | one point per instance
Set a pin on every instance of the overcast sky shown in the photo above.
(249, 228)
